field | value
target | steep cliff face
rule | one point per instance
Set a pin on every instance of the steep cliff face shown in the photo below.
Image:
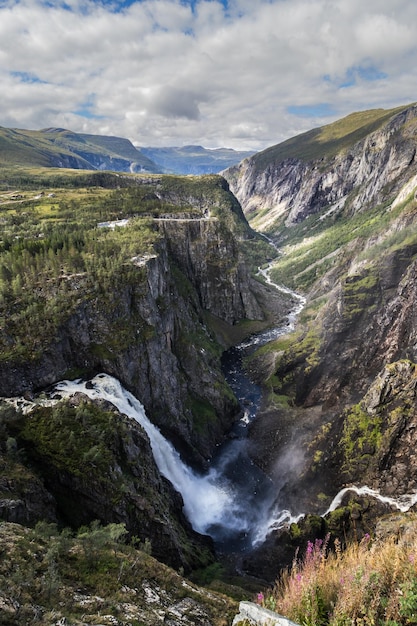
(274, 188)
(348, 216)
(132, 296)
(339, 409)
(147, 325)
(81, 461)
(210, 258)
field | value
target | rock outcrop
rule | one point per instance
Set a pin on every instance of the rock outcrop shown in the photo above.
(80, 461)
(251, 614)
(286, 190)
(341, 390)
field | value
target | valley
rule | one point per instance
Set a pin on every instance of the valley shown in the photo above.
(164, 286)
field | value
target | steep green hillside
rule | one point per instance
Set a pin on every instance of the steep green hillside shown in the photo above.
(57, 147)
(325, 142)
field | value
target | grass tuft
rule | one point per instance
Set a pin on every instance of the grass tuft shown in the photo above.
(371, 583)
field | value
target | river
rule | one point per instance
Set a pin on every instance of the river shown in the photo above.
(234, 501)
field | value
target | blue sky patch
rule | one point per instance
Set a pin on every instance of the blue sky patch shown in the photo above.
(85, 110)
(27, 77)
(311, 110)
(355, 74)
(120, 5)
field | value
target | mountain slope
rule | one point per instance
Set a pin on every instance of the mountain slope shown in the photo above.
(319, 170)
(343, 213)
(57, 147)
(194, 159)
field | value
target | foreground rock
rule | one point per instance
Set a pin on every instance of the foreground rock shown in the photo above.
(51, 578)
(250, 613)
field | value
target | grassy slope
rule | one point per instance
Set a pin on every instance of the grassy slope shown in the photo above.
(372, 582)
(327, 140)
(41, 148)
(94, 578)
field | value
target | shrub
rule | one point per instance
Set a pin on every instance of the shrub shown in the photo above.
(370, 583)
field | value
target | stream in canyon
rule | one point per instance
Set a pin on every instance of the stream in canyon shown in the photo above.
(234, 501)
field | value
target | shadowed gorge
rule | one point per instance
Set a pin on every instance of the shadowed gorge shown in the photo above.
(223, 367)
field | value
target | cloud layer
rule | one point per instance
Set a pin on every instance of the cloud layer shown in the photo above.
(243, 73)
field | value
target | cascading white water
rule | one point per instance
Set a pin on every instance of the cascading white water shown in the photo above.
(213, 503)
(402, 503)
(233, 502)
(208, 499)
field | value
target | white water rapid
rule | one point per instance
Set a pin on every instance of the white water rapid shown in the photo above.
(207, 499)
(402, 503)
(234, 501)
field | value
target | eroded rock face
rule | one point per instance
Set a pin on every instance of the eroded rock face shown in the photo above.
(88, 462)
(349, 373)
(151, 333)
(369, 323)
(291, 189)
(211, 261)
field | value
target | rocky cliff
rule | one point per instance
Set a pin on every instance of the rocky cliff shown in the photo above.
(148, 325)
(141, 298)
(328, 169)
(79, 461)
(340, 202)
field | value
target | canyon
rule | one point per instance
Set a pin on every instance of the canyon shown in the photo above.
(336, 410)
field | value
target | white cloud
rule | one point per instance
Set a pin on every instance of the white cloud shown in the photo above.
(163, 73)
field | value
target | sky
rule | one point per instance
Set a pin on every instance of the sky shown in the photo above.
(243, 74)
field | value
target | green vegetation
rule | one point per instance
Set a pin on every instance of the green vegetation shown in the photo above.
(53, 255)
(361, 438)
(56, 252)
(292, 355)
(327, 141)
(317, 245)
(76, 439)
(204, 415)
(95, 577)
(359, 293)
(372, 583)
(52, 147)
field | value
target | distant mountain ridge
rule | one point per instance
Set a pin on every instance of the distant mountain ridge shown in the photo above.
(194, 159)
(59, 147)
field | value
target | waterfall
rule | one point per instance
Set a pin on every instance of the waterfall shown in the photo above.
(210, 501)
(234, 502)
(402, 503)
